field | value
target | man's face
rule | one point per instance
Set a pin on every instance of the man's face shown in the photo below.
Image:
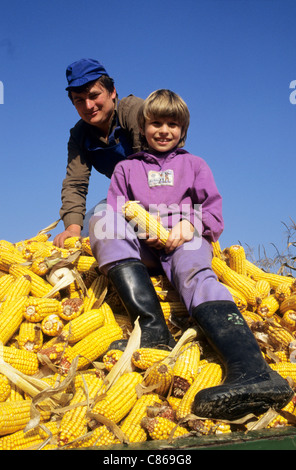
(95, 106)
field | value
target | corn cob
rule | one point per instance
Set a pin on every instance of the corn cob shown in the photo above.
(111, 358)
(72, 242)
(36, 308)
(174, 402)
(119, 398)
(235, 280)
(280, 420)
(289, 320)
(160, 428)
(15, 415)
(96, 293)
(282, 292)
(39, 287)
(274, 279)
(20, 440)
(173, 308)
(279, 335)
(238, 298)
(19, 288)
(52, 325)
(6, 246)
(15, 393)
(146, 222)
(131, 426)
(30, 336)
(217, 249)
(285, 369)
(40, 267)
(53, 350)
(10, 319)
(92, 346)
(5, 281)
(251, 317)
(5, 388)
(8, 258)
(85, 324)
(185, 369)
(85, 246)
(209, 376)
(262, 288)
(209, 426)
(74, 421)
(73, 291)
(85, 263)
(144, 358)
(237, 259)
(71, 308)
(24, 361)
(288, 304)
(161, 376)
(268, 307)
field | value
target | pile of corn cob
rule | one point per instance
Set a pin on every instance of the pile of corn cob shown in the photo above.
(58, 316)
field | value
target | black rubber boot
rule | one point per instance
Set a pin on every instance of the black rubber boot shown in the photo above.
(250, 385)
(133, 285)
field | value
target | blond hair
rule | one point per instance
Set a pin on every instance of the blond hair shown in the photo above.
(165, 103)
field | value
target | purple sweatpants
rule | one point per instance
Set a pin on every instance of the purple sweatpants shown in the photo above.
(188, 267)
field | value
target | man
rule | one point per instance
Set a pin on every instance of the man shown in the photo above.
(106, 133)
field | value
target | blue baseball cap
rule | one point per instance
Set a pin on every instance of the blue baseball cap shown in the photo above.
(83, 71)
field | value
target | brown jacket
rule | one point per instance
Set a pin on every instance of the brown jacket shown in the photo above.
(75, 185)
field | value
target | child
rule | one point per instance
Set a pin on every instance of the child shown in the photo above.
(181, 189)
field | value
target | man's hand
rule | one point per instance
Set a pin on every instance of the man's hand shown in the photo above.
(71, 231)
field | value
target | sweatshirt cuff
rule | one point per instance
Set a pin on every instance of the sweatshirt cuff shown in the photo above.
(70, 219)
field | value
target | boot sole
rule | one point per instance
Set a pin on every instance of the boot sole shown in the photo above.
(232, 402)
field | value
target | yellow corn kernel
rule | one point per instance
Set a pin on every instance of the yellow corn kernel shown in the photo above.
(85, 245)
(170, 309)
(83, 325)
(24, 361)
(71, 308)
(289, 320)
(143, 358)
(237, 259)
(131, 426)
(39, 287)
(209, 376)
(8, 259)
(279, 335)
(145, 221)
(217, 249)
(52, 325)
(74, 421)
(14, 416)
(20, 440)
(262, 288)
(285, 369)
(92, 346)
(5, 388)
(10, 319)
(235, 280)
(185, 369)
(238, 298)
(36, 308)
(5, 281)
(85, 263)
(30, 336)
(268, 307)
(119, 398)
(288, 304)
(72, 242)
(161, 376)
(274, 279)
(96, 293)
(160, 428)
(111, 358)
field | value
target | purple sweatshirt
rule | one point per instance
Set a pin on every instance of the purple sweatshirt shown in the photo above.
(177, 185)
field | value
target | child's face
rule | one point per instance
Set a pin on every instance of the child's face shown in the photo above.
(162, 133)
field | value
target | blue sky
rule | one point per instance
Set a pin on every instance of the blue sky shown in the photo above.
(231, 60)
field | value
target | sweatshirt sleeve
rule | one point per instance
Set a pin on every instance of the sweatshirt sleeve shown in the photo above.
(118, 192)
(207, 203)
